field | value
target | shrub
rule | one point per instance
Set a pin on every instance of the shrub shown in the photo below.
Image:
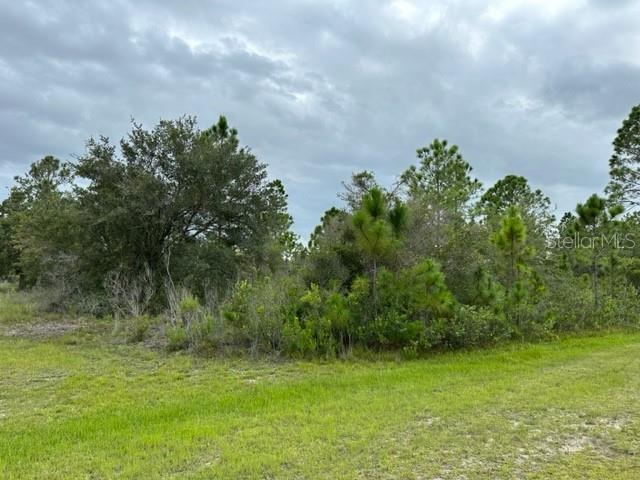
(392, 329)
(470, 326)
(408, 301)
(297, 341)
(191, 325)
(338, 315)
(257, 312)
(621, 310)
(177, 338)
(567, 305)
(129, 295)
(316, 314)
(359, 306)
(138, 328)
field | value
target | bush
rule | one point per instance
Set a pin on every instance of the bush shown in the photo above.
(392, 329)
(407, 303)
(621, 310)
(567, 305)
(177, 338)
(277, 314)
(190, 325)
(470, 326)
(297, 341)
(138, 328)
(257, 312)
(316, 314)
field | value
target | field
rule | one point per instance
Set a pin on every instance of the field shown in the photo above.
(74, 403)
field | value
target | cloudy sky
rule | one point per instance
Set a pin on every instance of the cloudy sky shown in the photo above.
(321, 89)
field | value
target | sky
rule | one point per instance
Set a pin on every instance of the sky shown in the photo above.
(322, 89)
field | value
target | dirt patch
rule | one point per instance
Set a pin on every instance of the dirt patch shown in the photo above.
(40, 330)
(575, 444)
(578, 436)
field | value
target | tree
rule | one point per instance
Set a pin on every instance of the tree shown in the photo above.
(624, 165)
(333, 260)
(486, 291)
(7, 254)
(378, 230)
(325, 221)
(442, 181)
(46, 236)
(596, 219)
(35, 220)
(440, 189)
(511, 242)
(514, 191)
(361, 183)
(175, 186)
(44, 177)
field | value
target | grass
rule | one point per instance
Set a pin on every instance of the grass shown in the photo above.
(14, 307)
(74, 404)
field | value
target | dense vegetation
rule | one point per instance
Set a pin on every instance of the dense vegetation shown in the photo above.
(178, 230)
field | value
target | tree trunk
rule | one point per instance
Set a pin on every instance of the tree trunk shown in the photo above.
(374, 288)
(596, 297)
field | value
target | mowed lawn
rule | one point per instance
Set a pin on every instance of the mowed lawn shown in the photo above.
(81, 406)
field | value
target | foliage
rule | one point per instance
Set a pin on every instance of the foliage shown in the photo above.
(597, 220)
(170, 187)
(469, 327)
(624, 165)
(513, 191)
(38, 222)
(257, 312)
(182, 227)
(378, 231)
(354, 192)
(139, 328)
(333, 258)
(442, 178)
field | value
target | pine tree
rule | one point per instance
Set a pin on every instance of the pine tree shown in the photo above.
(510, 241)
(624, 165)
(596, 219)
(379, 230)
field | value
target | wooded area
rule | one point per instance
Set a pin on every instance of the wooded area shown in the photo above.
(178, 230)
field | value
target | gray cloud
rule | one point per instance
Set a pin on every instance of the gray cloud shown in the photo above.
(321, 89)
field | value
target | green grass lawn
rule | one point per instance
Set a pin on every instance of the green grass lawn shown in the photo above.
(78, 405)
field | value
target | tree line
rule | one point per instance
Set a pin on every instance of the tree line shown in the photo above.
(179, 231)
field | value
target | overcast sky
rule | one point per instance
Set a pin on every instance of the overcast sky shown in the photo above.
(321, 89)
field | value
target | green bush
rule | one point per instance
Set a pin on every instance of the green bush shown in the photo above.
(138, 328)
(257, 312)
(189, 305)
(392, 329)
(297, 341)
(338, 315)
(622, 309)
(470, 326)
(177, 338)
(567, 305)
(407, 303)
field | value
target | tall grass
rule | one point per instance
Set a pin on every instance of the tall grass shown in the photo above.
(15, 307)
